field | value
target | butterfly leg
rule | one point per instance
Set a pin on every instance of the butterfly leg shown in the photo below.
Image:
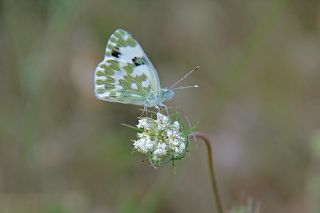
(157, 107)
(144, 110)
(165, 108)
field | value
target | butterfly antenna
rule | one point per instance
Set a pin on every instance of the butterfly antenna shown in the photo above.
(192, 86)
(175, 84)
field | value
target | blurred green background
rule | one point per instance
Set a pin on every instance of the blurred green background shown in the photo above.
(62, 151)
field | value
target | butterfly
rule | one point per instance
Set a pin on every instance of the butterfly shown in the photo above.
(126, 75)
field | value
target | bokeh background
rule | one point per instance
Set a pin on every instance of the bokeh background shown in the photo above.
(63, 151)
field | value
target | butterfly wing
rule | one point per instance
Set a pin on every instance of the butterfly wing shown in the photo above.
(126, 75)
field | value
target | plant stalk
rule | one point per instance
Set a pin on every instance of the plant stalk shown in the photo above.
(214, 185)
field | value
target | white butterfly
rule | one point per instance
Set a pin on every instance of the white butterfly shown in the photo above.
(126, 75)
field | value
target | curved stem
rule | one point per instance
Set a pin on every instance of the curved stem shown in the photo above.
(214, 185)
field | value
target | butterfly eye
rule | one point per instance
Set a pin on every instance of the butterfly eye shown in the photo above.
(115, 52)
(138, 61)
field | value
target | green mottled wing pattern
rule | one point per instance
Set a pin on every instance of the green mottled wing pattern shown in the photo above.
(126, 75)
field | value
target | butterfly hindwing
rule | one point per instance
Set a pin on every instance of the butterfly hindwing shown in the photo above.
(125, 75)
(115, 82)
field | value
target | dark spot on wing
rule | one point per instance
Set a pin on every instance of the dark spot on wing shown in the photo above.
(115, 52)
(138, 61)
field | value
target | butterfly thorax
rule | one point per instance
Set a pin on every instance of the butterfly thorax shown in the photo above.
(164, 95)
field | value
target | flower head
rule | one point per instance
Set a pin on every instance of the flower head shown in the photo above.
(161, 139)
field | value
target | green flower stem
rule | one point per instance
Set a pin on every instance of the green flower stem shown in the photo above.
(214, 185)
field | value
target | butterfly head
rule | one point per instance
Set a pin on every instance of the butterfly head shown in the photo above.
(166, 94)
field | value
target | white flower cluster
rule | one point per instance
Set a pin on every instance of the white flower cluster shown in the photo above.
(161, 139)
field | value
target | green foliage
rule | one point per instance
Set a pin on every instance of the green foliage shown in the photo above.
(249, 207)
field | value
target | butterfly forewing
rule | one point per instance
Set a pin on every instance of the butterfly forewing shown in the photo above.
(125, 75)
